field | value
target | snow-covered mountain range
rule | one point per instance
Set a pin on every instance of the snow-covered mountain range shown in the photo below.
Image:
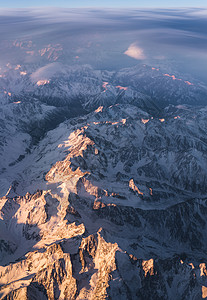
(103, 184)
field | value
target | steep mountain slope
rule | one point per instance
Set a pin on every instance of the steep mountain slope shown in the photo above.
(163, 88)
(60, 85)
(121, 213)
(35, 99)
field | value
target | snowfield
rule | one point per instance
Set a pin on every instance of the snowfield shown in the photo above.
(103, 184)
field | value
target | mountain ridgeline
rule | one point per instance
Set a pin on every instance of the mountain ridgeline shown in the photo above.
(103, 184)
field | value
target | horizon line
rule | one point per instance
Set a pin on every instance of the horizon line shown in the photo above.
(108, 7)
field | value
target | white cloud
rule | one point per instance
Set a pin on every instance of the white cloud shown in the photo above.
(135, 52)
(47, 72)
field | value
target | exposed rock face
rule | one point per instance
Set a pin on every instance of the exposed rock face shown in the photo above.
(57, 278)
(162, 157)
(108, 205)
(30, 108)
(53, 278)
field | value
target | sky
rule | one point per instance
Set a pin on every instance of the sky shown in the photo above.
(105, 3)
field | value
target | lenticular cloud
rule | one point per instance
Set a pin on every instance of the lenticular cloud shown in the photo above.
(47, 72)
(135, 52)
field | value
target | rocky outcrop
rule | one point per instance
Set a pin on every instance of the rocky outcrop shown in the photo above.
(120, 211)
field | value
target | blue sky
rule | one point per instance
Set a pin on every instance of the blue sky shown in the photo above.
(105, 3)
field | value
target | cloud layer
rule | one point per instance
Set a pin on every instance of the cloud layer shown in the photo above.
(106, 38)
(47, 72)
(135, 52)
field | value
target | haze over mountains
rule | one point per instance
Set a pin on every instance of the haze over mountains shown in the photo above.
(103, 163)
